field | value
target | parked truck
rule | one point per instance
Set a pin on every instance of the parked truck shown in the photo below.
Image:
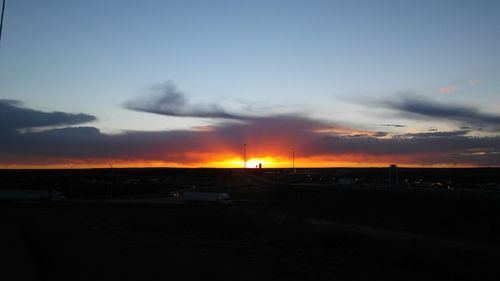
(215, 197)
(31, 195)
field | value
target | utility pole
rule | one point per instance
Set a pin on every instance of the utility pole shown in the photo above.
(244, 155)
(1, 19)
(293, 159)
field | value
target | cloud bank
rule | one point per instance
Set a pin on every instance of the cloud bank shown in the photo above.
(313, 140)
(13, 116)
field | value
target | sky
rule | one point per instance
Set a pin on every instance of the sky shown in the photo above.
(87, 83)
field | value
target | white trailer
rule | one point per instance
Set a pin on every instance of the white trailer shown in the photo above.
(215, 197)
(31, 195)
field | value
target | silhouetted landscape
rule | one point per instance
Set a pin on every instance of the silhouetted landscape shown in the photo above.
(314, 224)
(249, 140)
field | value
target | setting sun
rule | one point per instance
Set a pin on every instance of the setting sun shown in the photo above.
(254, 163)
(267, 162)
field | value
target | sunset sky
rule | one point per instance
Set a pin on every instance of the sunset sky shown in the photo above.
(88, 83)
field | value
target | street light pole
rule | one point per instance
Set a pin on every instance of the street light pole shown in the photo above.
(244, 155)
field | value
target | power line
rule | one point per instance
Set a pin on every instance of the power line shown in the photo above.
(1, 20)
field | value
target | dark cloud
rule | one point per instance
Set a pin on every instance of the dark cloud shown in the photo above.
(393, 125)
(356, 136)
(364, 135)
(13, 116)
(411, 106)
(435, 134)
(166, 99)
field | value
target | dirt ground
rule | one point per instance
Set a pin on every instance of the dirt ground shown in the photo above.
(275, 230)
(104, 241)
(75, 241)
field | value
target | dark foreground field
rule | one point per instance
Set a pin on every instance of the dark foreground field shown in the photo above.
(275, 230)
(96, 241)
(178, 242)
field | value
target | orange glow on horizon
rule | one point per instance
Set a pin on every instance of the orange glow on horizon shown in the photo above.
(229, 161)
